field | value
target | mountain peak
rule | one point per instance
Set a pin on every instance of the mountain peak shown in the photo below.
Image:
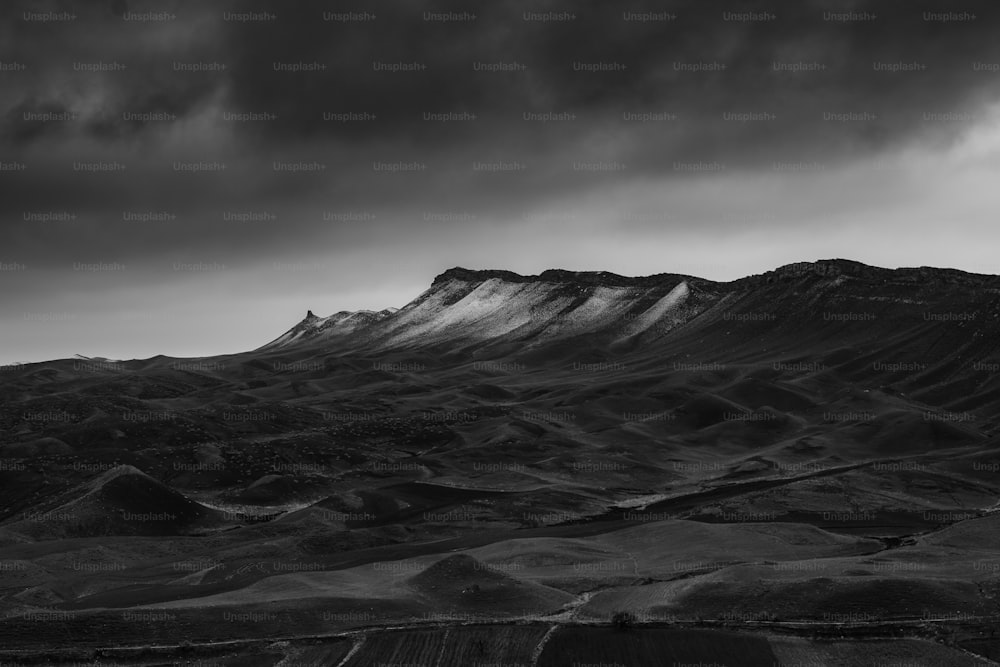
(478, 275)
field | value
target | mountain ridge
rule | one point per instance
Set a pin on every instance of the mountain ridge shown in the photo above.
(822, 267)
(467, 307)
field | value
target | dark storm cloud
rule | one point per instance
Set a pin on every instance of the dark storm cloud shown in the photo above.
(16, 132)
(84, 59)
(653, 80)
(649, 51)
(118, 7)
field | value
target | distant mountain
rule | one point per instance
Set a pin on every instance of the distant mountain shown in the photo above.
(799, 306)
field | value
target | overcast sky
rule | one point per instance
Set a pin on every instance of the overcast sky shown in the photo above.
(700, 137)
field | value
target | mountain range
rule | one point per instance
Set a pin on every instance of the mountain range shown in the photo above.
(933, 331)
(809, 452)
